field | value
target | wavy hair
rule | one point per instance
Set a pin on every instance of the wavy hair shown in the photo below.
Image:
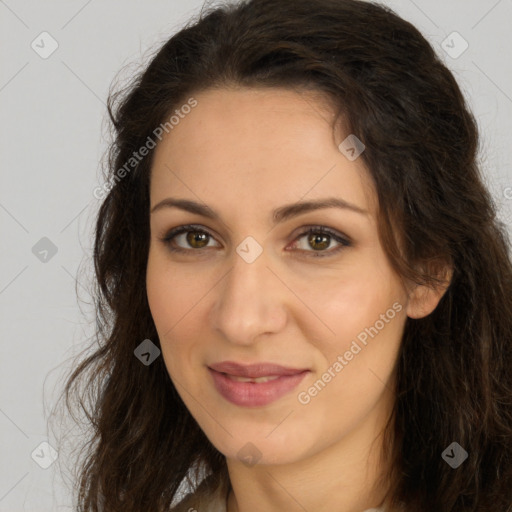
(454, 378)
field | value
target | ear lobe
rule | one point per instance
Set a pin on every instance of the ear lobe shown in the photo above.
(423, 299)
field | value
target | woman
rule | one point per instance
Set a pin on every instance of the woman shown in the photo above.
(305, 298)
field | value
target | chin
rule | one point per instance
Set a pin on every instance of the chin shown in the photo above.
(257, 449)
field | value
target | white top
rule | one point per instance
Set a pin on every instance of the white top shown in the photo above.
(206, 499)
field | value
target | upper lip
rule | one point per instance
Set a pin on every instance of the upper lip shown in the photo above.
(253, 371)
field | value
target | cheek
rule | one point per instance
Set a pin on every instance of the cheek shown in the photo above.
(355, 368)
(160, 297)
(367, 314)
(165, 306)
(350, 305)
(174, 299)
(170, 293)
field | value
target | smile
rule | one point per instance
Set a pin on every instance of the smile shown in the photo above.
(254, 392)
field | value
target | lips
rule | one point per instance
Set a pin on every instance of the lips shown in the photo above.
(254, 371)
(256, 384)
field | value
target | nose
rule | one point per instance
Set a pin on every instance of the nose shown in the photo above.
(250, 301)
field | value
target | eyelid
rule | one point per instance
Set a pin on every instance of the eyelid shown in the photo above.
(343, 240)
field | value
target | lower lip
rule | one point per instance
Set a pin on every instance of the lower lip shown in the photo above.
(254, 394)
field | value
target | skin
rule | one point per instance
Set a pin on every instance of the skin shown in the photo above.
(244, 152)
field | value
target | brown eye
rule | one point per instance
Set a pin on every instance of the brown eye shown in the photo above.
(189, 237)
(319, 239)
(197, 237)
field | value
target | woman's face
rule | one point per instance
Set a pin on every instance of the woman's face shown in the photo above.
(249, 285)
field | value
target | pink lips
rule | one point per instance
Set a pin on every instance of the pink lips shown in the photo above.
(254, 394)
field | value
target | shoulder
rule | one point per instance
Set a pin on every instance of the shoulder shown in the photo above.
(208, 497)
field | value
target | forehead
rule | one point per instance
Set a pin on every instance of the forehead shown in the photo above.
(271, 144)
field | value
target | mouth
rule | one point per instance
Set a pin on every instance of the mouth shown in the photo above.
(249, 379)
(255, 370)
(256, 390)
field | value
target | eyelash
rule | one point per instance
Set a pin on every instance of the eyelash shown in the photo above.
(345, 242)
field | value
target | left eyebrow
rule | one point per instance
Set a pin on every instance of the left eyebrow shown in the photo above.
(280, 214)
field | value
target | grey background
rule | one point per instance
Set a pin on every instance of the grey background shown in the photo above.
(53, 136)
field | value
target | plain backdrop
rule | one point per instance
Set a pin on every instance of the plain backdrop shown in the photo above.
(53, 137)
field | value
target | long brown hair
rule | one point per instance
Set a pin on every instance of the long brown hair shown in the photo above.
(454, 371)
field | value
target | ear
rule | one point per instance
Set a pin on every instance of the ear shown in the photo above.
(423, 299)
